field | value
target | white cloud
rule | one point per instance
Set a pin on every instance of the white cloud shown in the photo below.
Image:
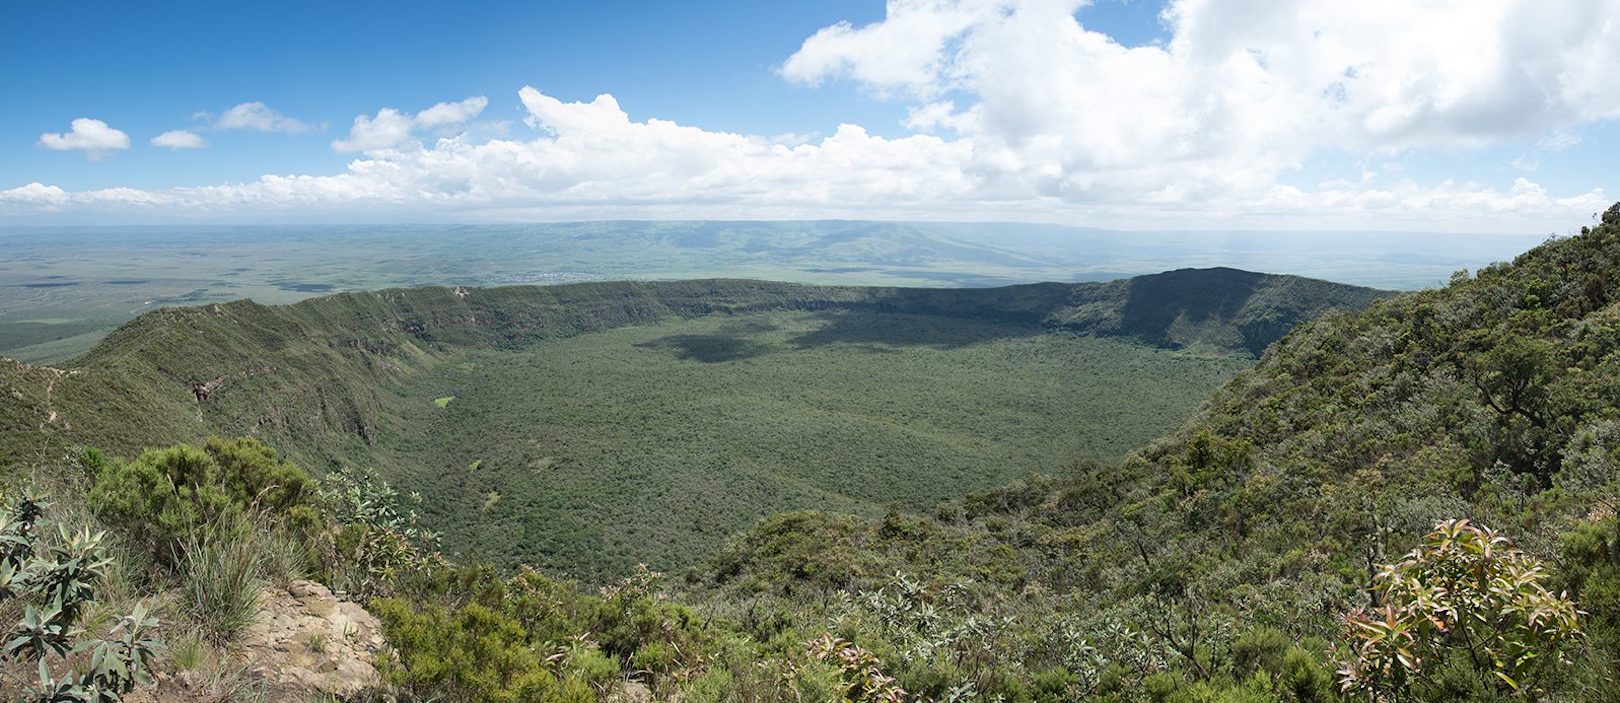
(591, 160)
(179, 139)
(259, 117)
(1242, 92)
(450, 114)
(35, 193)
(391, 128)
(91, 136)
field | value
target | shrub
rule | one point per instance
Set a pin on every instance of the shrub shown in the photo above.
(1261, 649)
(56, 581)
(166, 494)
(1463, 595)
(856, 671)
(470, 653)
(379, 535)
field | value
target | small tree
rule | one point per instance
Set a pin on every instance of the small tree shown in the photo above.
(1465, 594)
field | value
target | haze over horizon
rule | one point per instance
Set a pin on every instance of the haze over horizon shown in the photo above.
(1123, 114)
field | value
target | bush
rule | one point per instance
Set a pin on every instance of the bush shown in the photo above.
(1463, 598)
(1259, 650)
(55, 581)
(164, 495)
(379, 535)
(471, 653)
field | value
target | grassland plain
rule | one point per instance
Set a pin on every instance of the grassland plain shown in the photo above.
(585, 416)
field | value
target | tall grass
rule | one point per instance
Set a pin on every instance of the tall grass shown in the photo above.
(222, 568)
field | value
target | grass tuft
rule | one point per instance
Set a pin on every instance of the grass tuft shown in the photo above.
(221, 575)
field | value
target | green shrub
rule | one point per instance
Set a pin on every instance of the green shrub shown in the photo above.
(55, 581)
(1467, 599)
(471, 653)
(1304, 679)
(164, 495)
(1259, 650)
(379, 534)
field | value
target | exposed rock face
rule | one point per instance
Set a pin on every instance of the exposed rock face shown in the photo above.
(308, 639)
(307, 644)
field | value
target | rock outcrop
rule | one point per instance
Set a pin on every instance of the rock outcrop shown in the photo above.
(307, 643)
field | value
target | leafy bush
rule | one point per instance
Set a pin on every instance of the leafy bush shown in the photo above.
(379, 534)
(857, 672)
(164, 495)
(1464, 597)
(56, 580)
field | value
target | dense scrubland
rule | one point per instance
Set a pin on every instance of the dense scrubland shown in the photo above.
(1317, 532)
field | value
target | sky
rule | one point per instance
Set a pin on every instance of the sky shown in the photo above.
(1442, 115)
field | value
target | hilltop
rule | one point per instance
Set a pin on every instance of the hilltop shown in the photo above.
(555, 411)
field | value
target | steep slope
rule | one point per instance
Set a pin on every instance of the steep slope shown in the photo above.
(1496, 399)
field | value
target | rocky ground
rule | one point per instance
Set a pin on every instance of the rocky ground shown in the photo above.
(308, 645)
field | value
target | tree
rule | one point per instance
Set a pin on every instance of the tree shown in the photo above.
(1464, 597)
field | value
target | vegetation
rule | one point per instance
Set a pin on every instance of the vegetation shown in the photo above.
(55, 581)
(1464, 598)
(1315, 533)
(591, 454)
(578, 409)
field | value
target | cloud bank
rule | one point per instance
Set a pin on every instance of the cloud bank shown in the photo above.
(1018, 111)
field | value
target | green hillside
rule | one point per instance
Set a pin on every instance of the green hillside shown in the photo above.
(577, 409)
(1495, 399)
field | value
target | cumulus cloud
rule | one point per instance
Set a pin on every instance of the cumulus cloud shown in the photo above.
(179, 139)
(260, 117)
(1017, 110)
(91, 136)
(391, 128)
(1242, 92)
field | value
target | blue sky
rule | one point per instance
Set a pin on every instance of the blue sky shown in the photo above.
(1108, 113)
(147, 68)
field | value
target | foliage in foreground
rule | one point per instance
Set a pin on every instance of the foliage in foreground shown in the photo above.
(55, 581)
(1462, 596)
